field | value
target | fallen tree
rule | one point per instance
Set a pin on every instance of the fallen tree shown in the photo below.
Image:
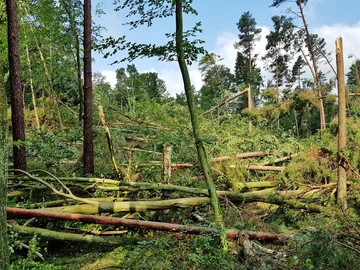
(64, 236)
(148, 225)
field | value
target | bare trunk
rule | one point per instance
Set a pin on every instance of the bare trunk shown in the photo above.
(88, 147)
(341, 191)
(17, 103)
(195, 123)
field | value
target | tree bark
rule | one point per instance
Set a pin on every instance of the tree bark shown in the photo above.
(149, 225)
(166, 163)
(17, 103)
(88, 147)
(4, 127)
(341, 191)
(215, 203)
(311, 50)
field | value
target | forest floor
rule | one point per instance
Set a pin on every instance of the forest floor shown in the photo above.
(326, 240)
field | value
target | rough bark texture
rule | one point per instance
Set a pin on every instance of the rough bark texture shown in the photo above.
(4, 256)
(17, 104)
(88, 148)
(341, 191)
(215, 203)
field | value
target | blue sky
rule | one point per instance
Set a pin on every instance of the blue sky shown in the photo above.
(328, 18)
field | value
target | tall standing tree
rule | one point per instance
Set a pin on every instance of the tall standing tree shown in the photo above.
(17, 103)
(300, 4)
(278, 46)
(218, 81)
(88, 147)
(248, 35)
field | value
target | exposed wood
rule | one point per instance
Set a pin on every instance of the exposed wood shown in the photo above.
(120, 174)
(278, 160)
(261, 168)
(166, 164)
(226, 101)
(341, 189)
(256, 154)
(148, 225)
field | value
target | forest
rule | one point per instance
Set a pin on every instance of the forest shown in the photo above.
(247, 172)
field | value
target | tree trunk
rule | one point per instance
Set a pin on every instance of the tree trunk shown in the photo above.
(88, 147)
(166, 163)
(149, 225)
(17, 103)
(215, 203)
(341, 191)
(4, 127)
(311, 50)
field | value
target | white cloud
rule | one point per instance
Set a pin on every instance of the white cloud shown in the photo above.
(224, 47)
(110, 76)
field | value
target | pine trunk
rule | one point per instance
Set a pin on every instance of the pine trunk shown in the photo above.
(88, 147)
(17, 103)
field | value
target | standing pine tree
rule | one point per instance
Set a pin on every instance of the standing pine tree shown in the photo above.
(17, 103)
(278, 47)
(248, 35)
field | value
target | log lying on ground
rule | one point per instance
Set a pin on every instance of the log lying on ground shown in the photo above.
(269, 195)
(132, 206)
(63, 236)
(260, 168)
(138, 186)
(148, 225)
(278, 160)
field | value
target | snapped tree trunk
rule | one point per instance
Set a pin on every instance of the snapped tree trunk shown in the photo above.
(4, 127)
(88, 147)
(215, 203)
(166, 163)
(17, 104)
(341, 191)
